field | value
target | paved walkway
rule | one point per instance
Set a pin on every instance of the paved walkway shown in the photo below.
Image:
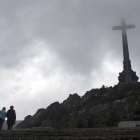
(71, 134)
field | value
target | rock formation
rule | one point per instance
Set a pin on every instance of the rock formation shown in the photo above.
(102, 107)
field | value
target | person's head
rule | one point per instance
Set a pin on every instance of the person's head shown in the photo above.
(11, 107)
(4, 108)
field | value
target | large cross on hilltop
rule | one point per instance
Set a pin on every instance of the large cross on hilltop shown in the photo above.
(127, 75)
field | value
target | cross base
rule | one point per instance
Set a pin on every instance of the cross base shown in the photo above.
(122, 79)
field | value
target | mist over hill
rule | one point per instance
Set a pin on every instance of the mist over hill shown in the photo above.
(104, 107)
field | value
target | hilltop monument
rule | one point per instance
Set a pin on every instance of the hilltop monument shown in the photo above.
(127, 75)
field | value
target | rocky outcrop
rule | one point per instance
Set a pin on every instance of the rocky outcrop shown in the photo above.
(102, 107)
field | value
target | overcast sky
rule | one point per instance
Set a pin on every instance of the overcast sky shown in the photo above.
(52, 48)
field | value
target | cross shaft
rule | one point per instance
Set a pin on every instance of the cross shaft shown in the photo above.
(126, 63)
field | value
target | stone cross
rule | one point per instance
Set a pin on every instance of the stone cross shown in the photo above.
(126, 75)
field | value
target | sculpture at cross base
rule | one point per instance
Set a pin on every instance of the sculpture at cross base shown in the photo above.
(127, 75)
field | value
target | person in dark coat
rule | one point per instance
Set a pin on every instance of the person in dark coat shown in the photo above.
(11, 117)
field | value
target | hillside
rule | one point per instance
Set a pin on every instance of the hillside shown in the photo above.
(4, 127)
(103, 107)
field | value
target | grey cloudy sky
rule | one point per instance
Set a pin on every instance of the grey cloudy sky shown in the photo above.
(52, 48)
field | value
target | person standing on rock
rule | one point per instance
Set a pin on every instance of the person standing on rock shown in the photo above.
(2, 117)
(11, 117)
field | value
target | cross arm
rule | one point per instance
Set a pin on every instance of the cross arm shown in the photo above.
(117, 28)
(130, 26)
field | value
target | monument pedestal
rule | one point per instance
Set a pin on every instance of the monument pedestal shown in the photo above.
(127, 75)
(122, 78)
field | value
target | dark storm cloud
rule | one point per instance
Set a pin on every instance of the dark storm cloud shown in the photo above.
(77, 30)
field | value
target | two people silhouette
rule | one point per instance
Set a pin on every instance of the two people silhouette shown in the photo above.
(11, 117)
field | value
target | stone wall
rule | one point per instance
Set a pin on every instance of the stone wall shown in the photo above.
(71, 134)
(129, 124)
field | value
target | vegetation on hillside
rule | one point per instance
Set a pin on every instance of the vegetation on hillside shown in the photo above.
(104, 107)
